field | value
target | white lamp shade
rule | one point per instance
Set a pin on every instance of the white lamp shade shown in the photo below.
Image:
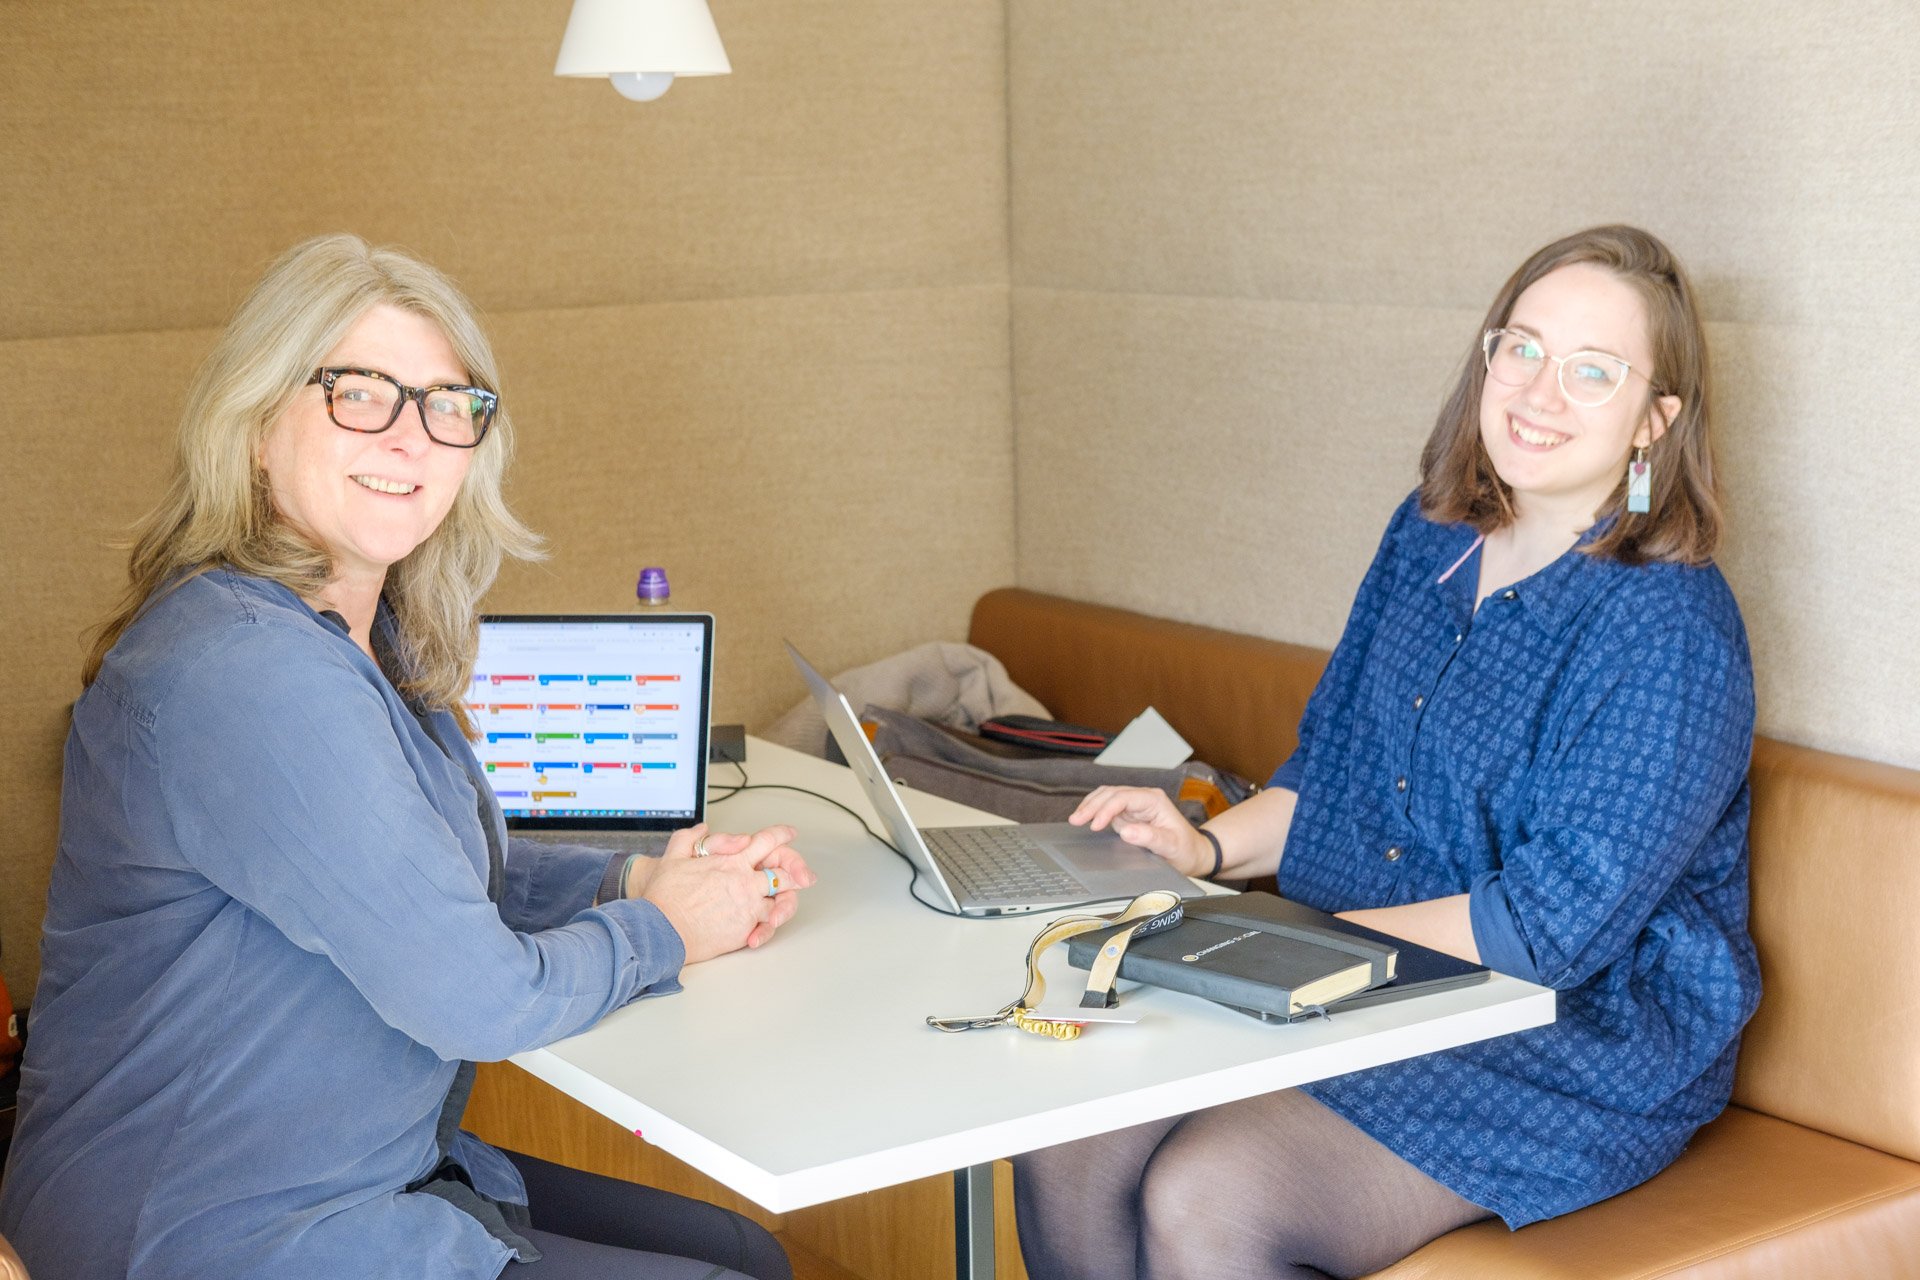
(674, 37)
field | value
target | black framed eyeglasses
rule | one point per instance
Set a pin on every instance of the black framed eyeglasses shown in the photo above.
(368, 401)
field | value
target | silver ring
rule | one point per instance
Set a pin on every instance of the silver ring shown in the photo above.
(700, 849)
(773, 881)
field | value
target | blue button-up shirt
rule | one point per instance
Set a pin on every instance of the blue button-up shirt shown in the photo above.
(1574, 756)
(269, 946)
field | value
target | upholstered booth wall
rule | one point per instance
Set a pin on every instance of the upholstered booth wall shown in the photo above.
(1253, 242)
(755, 331)
(1147, 302)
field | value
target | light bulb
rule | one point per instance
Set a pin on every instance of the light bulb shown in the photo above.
(642, 86)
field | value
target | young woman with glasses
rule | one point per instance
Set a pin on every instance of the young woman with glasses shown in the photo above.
(1529, 749)
(285, 916)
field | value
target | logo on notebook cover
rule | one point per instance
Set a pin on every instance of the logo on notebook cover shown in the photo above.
(1194, 958)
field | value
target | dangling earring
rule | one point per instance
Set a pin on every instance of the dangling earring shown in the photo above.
(1639, 483)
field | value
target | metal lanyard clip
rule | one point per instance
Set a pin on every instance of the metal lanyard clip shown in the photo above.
(1150, 913)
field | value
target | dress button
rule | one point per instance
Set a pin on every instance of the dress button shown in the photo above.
(1458, 636)
(1393, 854)
(1399, 784)
(1509, 595)
(1419, 701)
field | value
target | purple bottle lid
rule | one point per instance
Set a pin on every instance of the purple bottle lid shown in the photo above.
(652, 587)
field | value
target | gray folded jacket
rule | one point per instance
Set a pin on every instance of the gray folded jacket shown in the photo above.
(1026, 785)
(950, 683)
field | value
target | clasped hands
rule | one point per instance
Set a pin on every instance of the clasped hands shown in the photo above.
(721, 903)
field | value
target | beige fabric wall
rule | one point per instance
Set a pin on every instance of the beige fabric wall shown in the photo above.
(758, 331)
(755, 331)
(1252, 242)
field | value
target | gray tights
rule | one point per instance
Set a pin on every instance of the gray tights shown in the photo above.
(1264, 1189)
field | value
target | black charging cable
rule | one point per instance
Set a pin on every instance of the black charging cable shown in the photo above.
(913, 885)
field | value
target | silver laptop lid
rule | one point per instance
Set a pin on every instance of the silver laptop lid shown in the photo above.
(846, 731)
(595, 722)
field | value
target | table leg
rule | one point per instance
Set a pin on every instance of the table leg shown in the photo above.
(973, 1223)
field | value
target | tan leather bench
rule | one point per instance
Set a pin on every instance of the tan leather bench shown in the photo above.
(1812, 1172)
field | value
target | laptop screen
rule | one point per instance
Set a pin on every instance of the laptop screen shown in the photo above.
(595, 721)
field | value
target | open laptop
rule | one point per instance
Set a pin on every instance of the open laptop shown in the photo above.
(997, 870)
(594, 726)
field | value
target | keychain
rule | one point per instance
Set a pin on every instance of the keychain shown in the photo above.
(1150, 912)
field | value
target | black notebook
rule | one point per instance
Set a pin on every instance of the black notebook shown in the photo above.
(1277, 959)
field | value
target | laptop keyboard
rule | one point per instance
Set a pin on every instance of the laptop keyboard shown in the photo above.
(998, 862)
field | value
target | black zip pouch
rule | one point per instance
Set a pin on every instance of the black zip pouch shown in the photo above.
(1045, 735)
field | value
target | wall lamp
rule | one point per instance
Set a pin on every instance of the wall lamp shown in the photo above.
(641, 44)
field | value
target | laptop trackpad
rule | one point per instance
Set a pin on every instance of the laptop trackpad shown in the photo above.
(1104, 859)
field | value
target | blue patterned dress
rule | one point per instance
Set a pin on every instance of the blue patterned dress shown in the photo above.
(1575, 757)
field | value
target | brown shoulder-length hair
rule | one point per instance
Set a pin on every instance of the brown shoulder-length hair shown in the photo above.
(218, 508)
(1457, 480)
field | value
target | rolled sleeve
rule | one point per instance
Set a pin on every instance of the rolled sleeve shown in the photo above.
(1291, 770)
(1495, 932)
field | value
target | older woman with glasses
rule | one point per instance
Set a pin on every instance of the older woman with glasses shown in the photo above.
(285, 915)
(1529, 750)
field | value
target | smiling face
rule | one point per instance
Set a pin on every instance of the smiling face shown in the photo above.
(1559, 457)
(368, 500)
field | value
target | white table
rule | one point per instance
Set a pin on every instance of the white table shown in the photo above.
(805, 1072)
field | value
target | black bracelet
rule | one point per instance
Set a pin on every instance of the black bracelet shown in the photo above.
(1219, 856)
